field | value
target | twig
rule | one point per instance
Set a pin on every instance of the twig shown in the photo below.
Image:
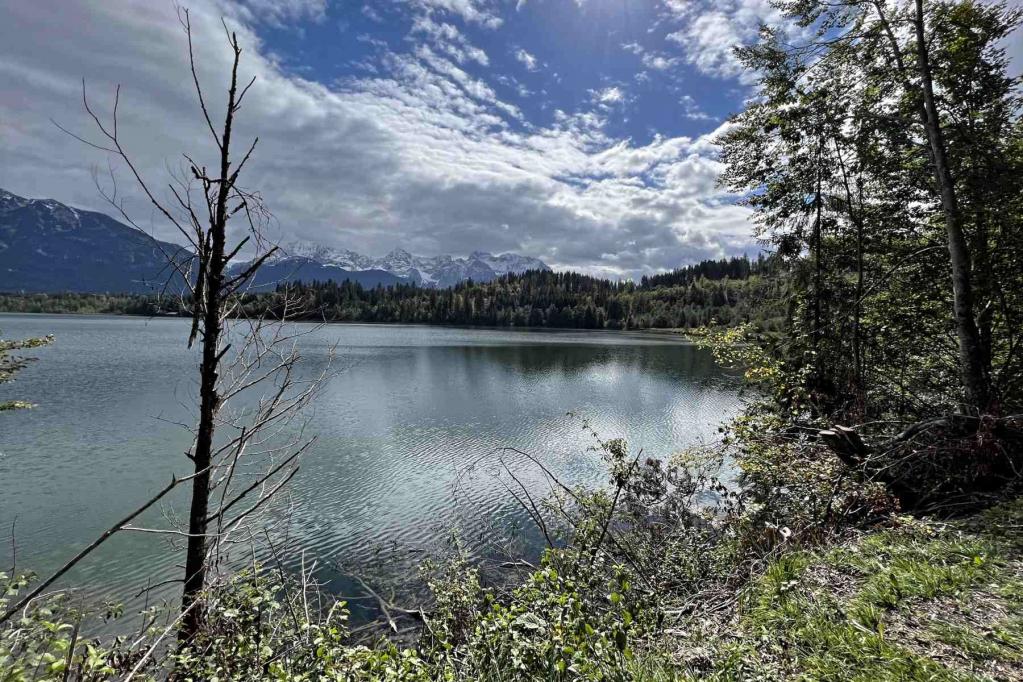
(93, 545)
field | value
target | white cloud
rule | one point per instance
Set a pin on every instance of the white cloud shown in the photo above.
(707, 43)
(475, 11)
(282, 12)
(658, 62)
(371, 14)
(691, 110)
(651, 60)
(609, 95)
(527, 60)
(708, 31)
(514, 84)
(450, 40)
(680, 8)
(421, 154)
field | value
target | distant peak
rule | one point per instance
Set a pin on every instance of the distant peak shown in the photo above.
(11, 198)
(434, 271)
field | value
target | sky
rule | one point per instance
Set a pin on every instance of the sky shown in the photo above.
(581, 132)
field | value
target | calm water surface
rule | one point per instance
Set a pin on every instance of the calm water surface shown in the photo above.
(409, 409)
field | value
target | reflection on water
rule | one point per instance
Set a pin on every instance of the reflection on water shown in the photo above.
(409, 410)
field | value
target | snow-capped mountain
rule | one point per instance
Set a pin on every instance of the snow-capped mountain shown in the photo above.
(47, 246)
(508, 262)
(326, 256)
(436, 271)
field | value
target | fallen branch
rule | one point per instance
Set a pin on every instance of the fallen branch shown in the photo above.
(93, 545)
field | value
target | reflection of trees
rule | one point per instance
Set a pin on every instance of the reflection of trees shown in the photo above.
(681, 362)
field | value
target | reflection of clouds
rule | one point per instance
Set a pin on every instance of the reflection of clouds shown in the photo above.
(604, 376)
(410, 409)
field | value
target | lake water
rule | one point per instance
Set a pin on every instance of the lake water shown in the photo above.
(410, 407)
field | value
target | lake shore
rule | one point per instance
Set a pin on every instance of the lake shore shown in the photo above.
(678, 334)
(409, 407)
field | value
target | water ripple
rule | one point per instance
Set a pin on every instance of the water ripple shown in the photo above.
(397, 431)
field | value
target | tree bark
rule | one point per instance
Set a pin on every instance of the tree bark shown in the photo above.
(212, 274)
(818, 264)
(976, 381)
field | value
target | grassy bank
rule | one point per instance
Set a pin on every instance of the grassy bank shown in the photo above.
(920, 600)
(648, 582)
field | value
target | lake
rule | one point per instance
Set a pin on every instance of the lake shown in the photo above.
(408, 409)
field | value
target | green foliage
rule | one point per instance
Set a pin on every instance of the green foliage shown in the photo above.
(745, 348)
(571, 619)
(829, 157)
(606, 606)
(43, 643)
(733, 291)
(90, 304)
(543, 299)
(260, 627)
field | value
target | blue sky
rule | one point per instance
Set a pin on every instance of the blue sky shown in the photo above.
(582, 132)
(542, 56)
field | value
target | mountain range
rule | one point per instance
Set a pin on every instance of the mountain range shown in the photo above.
(307, 261)
(47, 246)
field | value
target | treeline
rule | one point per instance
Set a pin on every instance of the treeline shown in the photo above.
(739, 267)
(725, 292)
(549, 299)
(91, 304)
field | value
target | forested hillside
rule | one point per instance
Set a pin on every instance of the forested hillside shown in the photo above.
(723, 292)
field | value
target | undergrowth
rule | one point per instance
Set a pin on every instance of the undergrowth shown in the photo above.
(893, 604)
(805, 570)
(649, 586)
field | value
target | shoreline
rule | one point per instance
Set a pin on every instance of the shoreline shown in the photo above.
(651, 331)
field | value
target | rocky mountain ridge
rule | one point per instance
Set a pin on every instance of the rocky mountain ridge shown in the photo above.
(47, 246)
(434, 271)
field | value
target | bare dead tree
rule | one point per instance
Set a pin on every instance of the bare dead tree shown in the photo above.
(246, 446)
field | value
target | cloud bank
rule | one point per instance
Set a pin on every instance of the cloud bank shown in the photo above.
(419, 152)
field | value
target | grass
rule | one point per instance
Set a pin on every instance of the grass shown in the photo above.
(924, 601)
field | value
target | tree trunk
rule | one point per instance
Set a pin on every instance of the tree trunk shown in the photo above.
(854, 207)
(212, 272)
(818, 273)
(971, 352)
(858, 310)
(195, 556)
